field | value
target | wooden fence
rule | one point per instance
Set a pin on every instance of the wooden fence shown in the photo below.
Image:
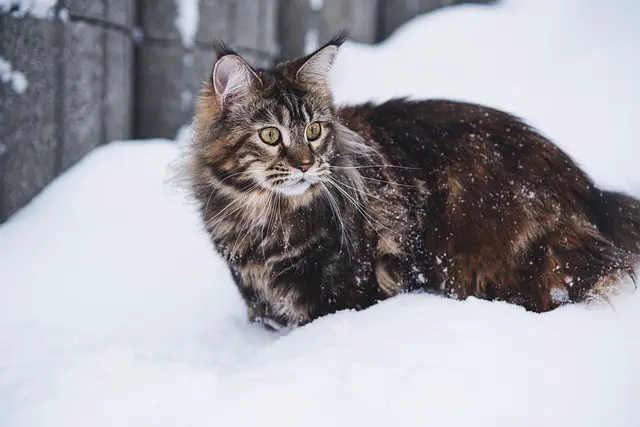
(103, 70)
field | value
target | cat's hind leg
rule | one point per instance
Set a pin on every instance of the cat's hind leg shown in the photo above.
(572, 263)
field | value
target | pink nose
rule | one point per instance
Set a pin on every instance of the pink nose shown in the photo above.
(304, 166)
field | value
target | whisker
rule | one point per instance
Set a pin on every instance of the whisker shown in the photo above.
(366, 193)
(365, 215)
(375, 166)
(248, 189)
(336, 210)
(250, 221)
(389, 182)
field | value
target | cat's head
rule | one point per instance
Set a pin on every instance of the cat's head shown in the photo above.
(270, 129)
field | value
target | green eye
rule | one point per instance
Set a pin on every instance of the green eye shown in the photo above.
(269, 135)
(313, 131)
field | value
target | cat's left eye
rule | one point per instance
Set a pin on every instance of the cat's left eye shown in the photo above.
(313, 131)
(269, 135)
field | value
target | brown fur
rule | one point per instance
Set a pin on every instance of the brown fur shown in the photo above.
(446, 197)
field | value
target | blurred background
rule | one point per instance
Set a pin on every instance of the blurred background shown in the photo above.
(79, 73)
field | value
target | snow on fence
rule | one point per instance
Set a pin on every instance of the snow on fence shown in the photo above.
(75, 74)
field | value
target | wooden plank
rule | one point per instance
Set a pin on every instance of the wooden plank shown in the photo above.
(305, 25)
(157, 18)
(359, 16)
(119, 68)
(214, 22)
(160, 104)
(30, 131)
(83, 88)
(295, 18)
(268, 29)
(162, 101)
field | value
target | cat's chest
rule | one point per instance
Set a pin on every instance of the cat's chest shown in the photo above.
(267, 240)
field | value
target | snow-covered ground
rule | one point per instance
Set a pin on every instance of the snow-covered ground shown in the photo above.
(114, 310)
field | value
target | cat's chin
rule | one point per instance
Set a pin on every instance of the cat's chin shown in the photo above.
(297, 189)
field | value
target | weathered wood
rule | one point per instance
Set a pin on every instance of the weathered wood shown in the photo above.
(303, 28)
(359, 16)
(295, 19)
(119, 67)
(157, 18)
(163, 100)
(30, 131)
(3, 162)
(78, 94)
(82, 90)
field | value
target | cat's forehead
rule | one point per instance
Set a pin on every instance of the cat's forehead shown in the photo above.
(290, 104)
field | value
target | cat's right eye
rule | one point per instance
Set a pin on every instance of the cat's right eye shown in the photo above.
(269, 135)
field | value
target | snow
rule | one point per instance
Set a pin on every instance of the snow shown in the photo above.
(63, 14)
(187, 18)
(17, 79)
(184, 134)
(114, 310)
(37, 8)
(316, 5)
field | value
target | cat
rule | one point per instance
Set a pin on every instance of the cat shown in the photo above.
(318, 208)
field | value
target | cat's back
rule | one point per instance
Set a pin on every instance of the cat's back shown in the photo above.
(461, 140)
(412, 129)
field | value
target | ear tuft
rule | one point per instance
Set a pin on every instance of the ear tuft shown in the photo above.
(221, 49)
(339, 38)
(316, 69)
(232, 77)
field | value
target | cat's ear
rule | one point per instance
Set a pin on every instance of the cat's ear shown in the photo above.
(232, 78)
(315, 69)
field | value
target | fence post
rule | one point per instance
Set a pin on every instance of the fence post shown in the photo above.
(168, 73)
(3, 160)
(305, 24)
(30, 130)
(119, 63)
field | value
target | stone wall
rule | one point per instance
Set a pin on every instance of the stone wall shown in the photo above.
(103, 70)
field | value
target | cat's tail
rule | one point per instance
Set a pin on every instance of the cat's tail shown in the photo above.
(618, 219)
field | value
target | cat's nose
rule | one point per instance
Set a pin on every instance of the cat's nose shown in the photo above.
(304, 165)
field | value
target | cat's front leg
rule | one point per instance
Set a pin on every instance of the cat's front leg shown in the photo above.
(258, 310)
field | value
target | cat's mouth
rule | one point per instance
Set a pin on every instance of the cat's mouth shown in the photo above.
(294, 187)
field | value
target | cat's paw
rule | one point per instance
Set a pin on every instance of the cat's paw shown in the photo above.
(259, 313)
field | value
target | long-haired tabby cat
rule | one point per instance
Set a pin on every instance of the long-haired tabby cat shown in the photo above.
(318, 208)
